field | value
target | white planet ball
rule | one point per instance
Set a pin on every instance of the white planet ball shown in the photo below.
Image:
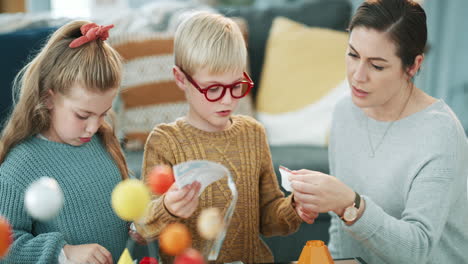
(210, 223)
(43, 199)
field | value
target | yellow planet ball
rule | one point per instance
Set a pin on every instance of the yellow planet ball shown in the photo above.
(130, 199)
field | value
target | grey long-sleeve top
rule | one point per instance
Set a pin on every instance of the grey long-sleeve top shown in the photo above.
(415, 187)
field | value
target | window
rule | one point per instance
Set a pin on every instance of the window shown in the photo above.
(77, 8)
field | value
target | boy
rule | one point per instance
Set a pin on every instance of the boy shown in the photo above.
(210, 59)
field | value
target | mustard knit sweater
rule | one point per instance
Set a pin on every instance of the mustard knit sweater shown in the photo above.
(243, 149)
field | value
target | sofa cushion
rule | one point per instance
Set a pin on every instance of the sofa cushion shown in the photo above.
(333, 14)
(296, 157)
(148, 93)
(134, 160)
(287, 249)
(18, 48)
(302, 80)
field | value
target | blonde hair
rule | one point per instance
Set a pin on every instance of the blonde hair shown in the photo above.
(95, 65)
(211, 41)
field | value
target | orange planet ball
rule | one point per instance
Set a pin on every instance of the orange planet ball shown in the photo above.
(160, 179)
(175, 239)
(6, 237)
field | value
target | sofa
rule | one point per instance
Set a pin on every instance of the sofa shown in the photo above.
(18, 46)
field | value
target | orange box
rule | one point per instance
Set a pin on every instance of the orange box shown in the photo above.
(315, 252)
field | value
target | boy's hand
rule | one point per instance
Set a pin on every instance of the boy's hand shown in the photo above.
(182, 203)
(306, 215)
(132, 232)
(88, 253)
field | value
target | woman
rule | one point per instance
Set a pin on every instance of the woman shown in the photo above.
(398, 154)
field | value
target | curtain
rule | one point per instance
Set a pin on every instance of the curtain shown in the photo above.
(36, 6)
(445, 70)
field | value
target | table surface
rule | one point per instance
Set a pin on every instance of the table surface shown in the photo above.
(349, 261)
(343, 261)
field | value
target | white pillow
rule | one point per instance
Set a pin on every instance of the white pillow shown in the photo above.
(307, 126)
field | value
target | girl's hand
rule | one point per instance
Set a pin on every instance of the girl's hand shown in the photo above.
(182, 203)
(88, 253)
(319, 192)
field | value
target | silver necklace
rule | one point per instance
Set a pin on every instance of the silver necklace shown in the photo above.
(374, 150)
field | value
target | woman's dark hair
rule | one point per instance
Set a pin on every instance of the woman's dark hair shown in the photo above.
(403, 20)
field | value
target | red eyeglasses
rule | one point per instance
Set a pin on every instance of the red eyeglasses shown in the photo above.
(217, 91)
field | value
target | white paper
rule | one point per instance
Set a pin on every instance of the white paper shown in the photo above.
(285, 172)
(203, 171)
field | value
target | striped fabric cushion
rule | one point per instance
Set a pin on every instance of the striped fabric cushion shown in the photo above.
(149, 94)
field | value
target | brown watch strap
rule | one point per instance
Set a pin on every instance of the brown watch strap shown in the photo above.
(357, 200)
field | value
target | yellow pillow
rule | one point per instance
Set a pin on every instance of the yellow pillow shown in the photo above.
(302, 79)
(301, 65)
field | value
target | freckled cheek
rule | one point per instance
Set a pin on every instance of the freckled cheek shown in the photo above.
(206, 107)
(200, 100)
(196, 98)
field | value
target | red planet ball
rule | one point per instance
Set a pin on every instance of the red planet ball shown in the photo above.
(6, 237)
(148, 260)
(160, 179)
(190, 256)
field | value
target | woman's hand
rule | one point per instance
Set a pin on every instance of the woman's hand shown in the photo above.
(88, 253)
(318, 192)
(182, 203)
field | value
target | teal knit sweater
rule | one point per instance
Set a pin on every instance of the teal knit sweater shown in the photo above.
(87, 175)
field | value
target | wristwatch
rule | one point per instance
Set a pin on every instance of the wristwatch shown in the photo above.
(351, 212)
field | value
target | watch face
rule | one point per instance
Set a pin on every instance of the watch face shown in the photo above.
(350, 214)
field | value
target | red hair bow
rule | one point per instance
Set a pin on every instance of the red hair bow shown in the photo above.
(91, 32)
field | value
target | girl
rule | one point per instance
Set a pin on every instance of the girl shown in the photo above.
(57, 129)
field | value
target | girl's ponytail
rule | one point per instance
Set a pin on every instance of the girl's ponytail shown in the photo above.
(110, 141)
